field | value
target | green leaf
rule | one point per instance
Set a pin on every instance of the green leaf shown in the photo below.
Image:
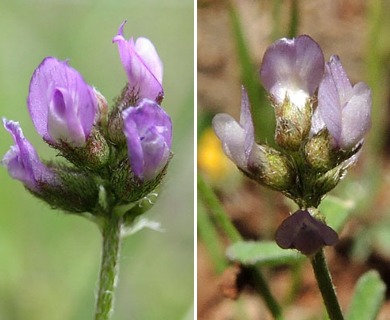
(336, 211)
(380, 234)
(261, 252)
(367, 298)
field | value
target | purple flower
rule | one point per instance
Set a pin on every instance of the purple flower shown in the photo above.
(237, 138)
(345, 110)
(62, 106)
(22, 160)
(148, 131)
(305, 233)
(292, 68)
(143, 66)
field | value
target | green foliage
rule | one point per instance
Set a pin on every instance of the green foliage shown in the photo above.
(367, 298)
(261, 252)
(374, 238)
(336, 211)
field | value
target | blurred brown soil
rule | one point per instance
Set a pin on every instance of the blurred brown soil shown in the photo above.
(216, 291)
(340, 27)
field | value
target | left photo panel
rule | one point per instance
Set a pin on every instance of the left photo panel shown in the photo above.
(97, 149)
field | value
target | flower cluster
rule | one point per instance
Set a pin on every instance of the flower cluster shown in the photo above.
(321, 119)
(122, 154)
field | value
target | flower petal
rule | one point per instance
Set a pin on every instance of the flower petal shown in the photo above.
(22, 160)
(345, 110)
(293, 67)
(237, 138)
(356, 116)
(148, 131)
(247, 123)
(232, 136)
(62, 106)
(329, 105)
(142, 65)
(340, 79)
(305, 233)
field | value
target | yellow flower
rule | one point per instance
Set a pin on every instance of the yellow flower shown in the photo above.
(211, 159)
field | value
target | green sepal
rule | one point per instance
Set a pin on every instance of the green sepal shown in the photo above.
(293, 123)
(127, 98)
(318, 151)
(271, 168)
(93, 156)
(127, 188)
(72, 190)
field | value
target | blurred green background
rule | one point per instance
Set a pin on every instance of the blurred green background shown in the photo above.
(49, 260)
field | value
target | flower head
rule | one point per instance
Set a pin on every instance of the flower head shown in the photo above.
(22, 160)
(148, 131)
(344, 109)
(237, 138)
(62, 106)
(143, 66)
(292, 68)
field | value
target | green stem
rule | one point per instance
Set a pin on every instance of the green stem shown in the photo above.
(209, 237)
(109, 267)
(211, 201)
(294, 19)
(326, 287)
(262, 288)
(276, 17)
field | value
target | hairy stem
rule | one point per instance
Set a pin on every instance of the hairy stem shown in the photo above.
(325, 284)
(109, 267)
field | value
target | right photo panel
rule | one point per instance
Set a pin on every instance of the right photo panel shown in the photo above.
(293, 212)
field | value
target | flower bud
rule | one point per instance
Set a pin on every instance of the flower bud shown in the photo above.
(271, 168)
(327, 181)
(103, 109)
(291, 72)
(292, 124)
(23, 163)
(128, 188)
(143, 67)
(93, 155)
(61, 187)
(237, 137)
(115, 126)
(148, 131)
(318, 151)
(344, 109)
(292, 68)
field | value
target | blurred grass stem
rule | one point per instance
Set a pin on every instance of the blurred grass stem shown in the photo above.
(210, 238)
(210, 200)
(262, 113)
